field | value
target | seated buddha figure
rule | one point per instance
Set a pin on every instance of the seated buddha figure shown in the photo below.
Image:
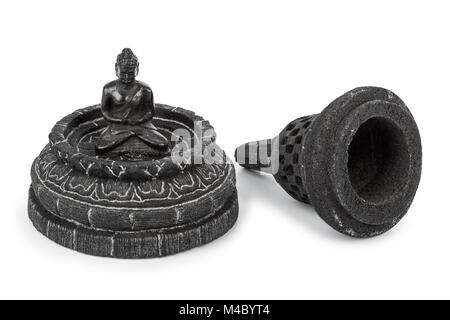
(128, 107)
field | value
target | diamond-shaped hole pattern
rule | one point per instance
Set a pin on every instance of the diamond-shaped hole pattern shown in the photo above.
(289, 175)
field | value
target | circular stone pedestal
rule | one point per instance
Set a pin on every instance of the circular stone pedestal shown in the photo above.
(127, 208)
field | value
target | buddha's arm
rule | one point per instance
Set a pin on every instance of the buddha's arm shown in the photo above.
(149, 103)
(106, 107)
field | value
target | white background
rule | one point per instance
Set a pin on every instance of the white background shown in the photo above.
(249, 67)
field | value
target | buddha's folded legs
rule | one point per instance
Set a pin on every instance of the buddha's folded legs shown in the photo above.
(111, 138)
(148, 133)
(117, 134)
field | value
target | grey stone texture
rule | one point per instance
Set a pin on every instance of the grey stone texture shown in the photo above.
(126, 208)
(358, 162)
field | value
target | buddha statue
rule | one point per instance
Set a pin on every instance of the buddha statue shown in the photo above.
(128, 107)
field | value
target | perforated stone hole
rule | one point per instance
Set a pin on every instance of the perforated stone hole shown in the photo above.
(289, 148)
(295, 132)
(289, 170)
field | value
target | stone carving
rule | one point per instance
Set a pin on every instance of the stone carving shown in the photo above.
(119, 193)
(358, 162)
(127, 105)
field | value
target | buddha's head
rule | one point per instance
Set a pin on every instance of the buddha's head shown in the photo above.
(127, 66)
